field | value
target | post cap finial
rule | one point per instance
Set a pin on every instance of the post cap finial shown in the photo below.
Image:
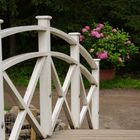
(43, 17)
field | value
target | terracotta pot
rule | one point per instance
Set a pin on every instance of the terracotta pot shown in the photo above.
(107, 74)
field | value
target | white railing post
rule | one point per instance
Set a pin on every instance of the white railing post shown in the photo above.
(2, 123)
(45, 78)
(95, 98)
(75, 82)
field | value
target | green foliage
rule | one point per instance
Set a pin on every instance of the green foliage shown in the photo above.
(107, 43)
(20, 75)
(71, 15)
(122, 13)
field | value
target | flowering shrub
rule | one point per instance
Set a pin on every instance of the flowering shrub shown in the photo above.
(111, 45)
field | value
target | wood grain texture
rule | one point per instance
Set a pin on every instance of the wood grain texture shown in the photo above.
(96, 135)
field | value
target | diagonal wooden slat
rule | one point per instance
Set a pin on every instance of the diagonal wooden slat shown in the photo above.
(17, 125)
(86, 101)
(60, 100)
(16, 95)
(68, 79)
(21, 102)
(62, 92)
(90, 93)
(56, 80)
(88, 75)
(33, 81)
(68, 114)
(83, 113)
(89, 118)
(83, 91)
(56, 111)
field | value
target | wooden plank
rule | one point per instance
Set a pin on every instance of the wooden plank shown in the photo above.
(96, 135)
(68, 79)
(56, 80)
(2, 127)
(45, 77)
(33, 81)
(56, 111)
(64, 57)
(75, 82)
(87, 57)
(9, 62)
(17, 125)
(15, 30)
(20, 102)
(63, 35)
(88, 75)
(95, 97)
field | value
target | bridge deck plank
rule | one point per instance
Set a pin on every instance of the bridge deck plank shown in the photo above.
(96, 135)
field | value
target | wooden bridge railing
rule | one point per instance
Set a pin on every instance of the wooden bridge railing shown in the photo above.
(44, 72)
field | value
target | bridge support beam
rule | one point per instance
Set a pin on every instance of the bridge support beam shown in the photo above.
(45, 78)
(75, 82)
(2, 124)
(95, 98)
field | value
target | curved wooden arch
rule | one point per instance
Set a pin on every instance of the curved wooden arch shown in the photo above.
(63, 35)
(14, 30)
(23, 57)
(20, 58)
(88, 75)
(87, 57)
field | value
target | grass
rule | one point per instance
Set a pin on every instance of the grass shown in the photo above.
(21, 76)
(119, 82)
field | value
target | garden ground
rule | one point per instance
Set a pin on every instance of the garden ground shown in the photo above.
(119, 108)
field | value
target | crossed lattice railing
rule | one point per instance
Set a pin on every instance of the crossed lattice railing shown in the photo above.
(45, 72)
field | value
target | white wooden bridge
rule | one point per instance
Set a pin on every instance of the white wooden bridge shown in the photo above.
(45, 72)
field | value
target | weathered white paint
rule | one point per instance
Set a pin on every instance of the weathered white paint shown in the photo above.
(45, 77)
(2, 124)
(9, 62)
(95, 97)
(86, 99)
(88, 75)
(64, 57)
(33, 81)
(63, 35)
(14, 30)
(87, 57)
(75, 81)
(20, 102)
(45, 71)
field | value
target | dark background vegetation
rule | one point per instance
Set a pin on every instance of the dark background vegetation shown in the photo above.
(69, 15)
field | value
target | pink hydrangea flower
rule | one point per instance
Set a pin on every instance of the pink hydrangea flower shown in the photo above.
(102, 55)
(84, 30)
(97, 29)
(100, 25)
(95, 34)
(98, 35)
(114, 30)
(87, 27)
(82, 38)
